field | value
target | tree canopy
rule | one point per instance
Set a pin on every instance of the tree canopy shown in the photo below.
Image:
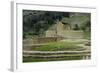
(35, 22)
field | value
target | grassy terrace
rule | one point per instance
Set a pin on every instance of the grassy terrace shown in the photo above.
(87, 35)
(59, 57)
(36, 59)
(58, 46)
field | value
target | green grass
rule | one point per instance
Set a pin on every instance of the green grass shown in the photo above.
(57, 58)
(56, 46)
(87, 35)
(31, 59)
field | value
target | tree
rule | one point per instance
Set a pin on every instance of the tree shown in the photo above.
(86, 26)
(36, 21)
(76, 27)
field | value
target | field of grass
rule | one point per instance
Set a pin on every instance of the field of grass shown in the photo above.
(36, 59)
(87, 35)
(56, 46)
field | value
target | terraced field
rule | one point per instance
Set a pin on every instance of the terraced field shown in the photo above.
(55, 51)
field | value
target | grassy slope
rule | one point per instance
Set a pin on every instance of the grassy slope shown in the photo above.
(55, 46)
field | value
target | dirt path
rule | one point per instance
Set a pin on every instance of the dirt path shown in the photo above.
(44, 52)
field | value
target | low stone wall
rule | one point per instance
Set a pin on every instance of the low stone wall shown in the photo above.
(48, 39)
(70, 34)
(37, 40)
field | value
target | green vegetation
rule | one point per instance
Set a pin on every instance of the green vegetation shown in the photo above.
(34, 59)
(87, 35)
(56, 46)
(37, 22)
